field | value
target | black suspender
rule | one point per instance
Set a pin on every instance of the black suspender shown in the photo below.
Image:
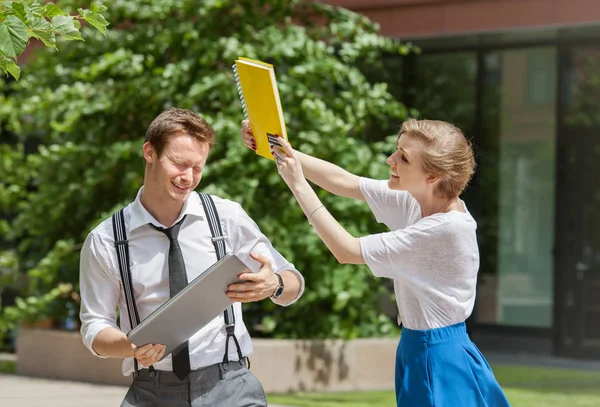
(218, 240)
(122, 246)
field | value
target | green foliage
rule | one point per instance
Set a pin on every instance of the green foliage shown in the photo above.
(90, 107)
(20, 20)
(581, 111)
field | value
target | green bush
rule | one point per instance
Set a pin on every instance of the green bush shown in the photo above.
(88, 107)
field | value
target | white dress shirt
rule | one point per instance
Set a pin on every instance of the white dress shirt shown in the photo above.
(101, 286)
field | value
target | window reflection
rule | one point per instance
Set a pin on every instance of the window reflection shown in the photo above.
(519, 131)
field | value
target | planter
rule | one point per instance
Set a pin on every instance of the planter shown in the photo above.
(280, 365)
(57, 354)
(47, 323)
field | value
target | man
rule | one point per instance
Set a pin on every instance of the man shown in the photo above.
(176, 147)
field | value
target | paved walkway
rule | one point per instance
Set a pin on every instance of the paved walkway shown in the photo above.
(19, 391)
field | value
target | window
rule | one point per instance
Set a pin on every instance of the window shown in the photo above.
(518, 183)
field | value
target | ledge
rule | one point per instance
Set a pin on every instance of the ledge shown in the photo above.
(280, 365)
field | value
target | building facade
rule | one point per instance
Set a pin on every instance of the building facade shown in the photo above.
(522, 79)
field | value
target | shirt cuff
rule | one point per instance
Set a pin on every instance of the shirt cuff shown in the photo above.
(300, 292)
(90, 335)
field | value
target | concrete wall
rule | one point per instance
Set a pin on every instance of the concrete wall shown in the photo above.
(280, 365)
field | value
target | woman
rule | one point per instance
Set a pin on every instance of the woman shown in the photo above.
(431, 254)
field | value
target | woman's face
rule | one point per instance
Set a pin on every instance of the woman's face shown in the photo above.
(406, 167)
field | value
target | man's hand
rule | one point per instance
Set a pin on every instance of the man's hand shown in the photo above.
(255, 286)
(149, 354)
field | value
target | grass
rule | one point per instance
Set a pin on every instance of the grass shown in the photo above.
(349, 399)
(524, 387)
(536, 387)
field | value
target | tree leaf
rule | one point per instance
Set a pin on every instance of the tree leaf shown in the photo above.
(5, 41)
(98, 8)
(36, 8)
(3, 62)
(13, 37)
(41, 29)
(98, 21)
(9, 66)
(14, 69)
(64, 26)
(20, 12)
(52, 10)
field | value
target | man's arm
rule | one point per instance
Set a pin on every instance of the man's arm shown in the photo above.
(264, 283)
(113, 343)
(99, 297)
(263, 261)
(292, 284)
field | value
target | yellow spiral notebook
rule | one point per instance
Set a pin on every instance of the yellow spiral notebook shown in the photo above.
(257, 88)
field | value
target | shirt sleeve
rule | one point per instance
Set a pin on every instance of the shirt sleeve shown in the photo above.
(248, 238)
(396, 209)
(99, 292)
(401, 254)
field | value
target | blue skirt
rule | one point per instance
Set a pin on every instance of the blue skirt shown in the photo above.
(443, 368)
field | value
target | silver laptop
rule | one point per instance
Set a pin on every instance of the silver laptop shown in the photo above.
(180, 317)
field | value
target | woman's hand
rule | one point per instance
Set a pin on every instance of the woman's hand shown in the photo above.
(247, 136)
(288, 164)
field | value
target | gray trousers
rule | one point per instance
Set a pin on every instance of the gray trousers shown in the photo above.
(233, 386)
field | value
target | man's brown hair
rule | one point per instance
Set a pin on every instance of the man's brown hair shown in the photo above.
(173, 121)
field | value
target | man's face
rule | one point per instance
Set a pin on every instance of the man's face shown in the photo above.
(178, 171)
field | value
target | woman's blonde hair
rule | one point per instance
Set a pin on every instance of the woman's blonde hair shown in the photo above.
(447, 153)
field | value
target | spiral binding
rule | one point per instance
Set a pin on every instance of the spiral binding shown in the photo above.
(239, 88)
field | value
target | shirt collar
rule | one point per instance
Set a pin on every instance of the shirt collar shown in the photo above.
(140, 216)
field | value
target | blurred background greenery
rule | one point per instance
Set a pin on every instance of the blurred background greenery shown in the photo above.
(73, 125)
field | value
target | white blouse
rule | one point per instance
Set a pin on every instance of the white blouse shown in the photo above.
(433, 260)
